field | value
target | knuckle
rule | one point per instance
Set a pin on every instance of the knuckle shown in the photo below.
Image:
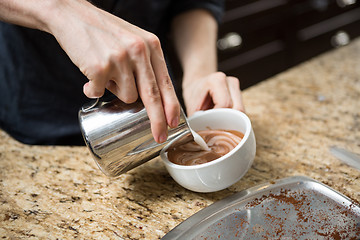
(220, 75)
(153, 94)
(138, 46)
(93, 93)
(96, 70)
(153, 41)
(129, 98)
(166, 81)
(118, 56)
(219, 78)
(222, 81)
(235, 81)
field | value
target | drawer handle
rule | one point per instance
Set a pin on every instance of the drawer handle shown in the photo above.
(340, 39)
(229, 41)
(344, 3)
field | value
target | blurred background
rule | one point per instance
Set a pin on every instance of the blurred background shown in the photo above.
(260, 38)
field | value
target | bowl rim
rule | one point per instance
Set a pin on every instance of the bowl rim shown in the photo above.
(163, 152)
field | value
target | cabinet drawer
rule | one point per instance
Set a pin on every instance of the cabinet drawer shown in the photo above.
(307, 13)
(257, 64)
(329, 25)
(261, 38)
(237, 9)
(240, 41)
(334, 32)
(251, 28)
(254, 72)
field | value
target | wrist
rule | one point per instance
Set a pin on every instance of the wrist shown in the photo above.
(199, 64)
(50, 15)
(31, 13)
(197, 73)
(59, 13)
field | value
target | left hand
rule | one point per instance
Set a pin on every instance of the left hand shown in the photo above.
(215, 90)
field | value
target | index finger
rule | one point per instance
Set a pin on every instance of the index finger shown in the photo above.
(150, 96)
(235, 93)
(168, 96)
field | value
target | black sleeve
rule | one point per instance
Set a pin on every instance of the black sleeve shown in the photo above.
(215, 7)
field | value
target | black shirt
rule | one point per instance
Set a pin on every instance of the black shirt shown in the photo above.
(41, 89)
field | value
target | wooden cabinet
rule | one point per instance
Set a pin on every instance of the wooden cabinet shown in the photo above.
(260, 38)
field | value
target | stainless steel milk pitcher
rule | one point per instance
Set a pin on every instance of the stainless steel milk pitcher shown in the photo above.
(119, 137)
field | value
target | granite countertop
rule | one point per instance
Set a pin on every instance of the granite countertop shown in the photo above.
(58, 192)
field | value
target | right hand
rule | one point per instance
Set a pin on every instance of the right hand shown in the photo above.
(121, 57)
(215, 90)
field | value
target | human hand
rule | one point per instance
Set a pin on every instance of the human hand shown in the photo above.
(215, 90)
(119, 56)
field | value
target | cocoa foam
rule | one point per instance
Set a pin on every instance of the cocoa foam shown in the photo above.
(220, 143)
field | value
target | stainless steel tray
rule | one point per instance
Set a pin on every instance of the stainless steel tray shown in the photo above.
(290, 208)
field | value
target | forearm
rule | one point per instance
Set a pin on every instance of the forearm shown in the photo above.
(195, 34)
(44, 15)
(109, 51)
(30, 13)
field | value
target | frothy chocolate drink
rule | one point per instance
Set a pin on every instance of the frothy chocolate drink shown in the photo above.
(220, 143)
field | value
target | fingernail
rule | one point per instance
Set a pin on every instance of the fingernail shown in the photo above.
(163, 138)
(175, 122)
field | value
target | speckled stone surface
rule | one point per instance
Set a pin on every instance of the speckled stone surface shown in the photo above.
(58, 192)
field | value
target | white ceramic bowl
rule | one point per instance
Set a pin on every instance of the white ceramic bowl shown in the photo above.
(224, 171)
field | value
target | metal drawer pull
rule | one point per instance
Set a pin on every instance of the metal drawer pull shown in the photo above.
(344, 3)
(340, 39)
(230, 40)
